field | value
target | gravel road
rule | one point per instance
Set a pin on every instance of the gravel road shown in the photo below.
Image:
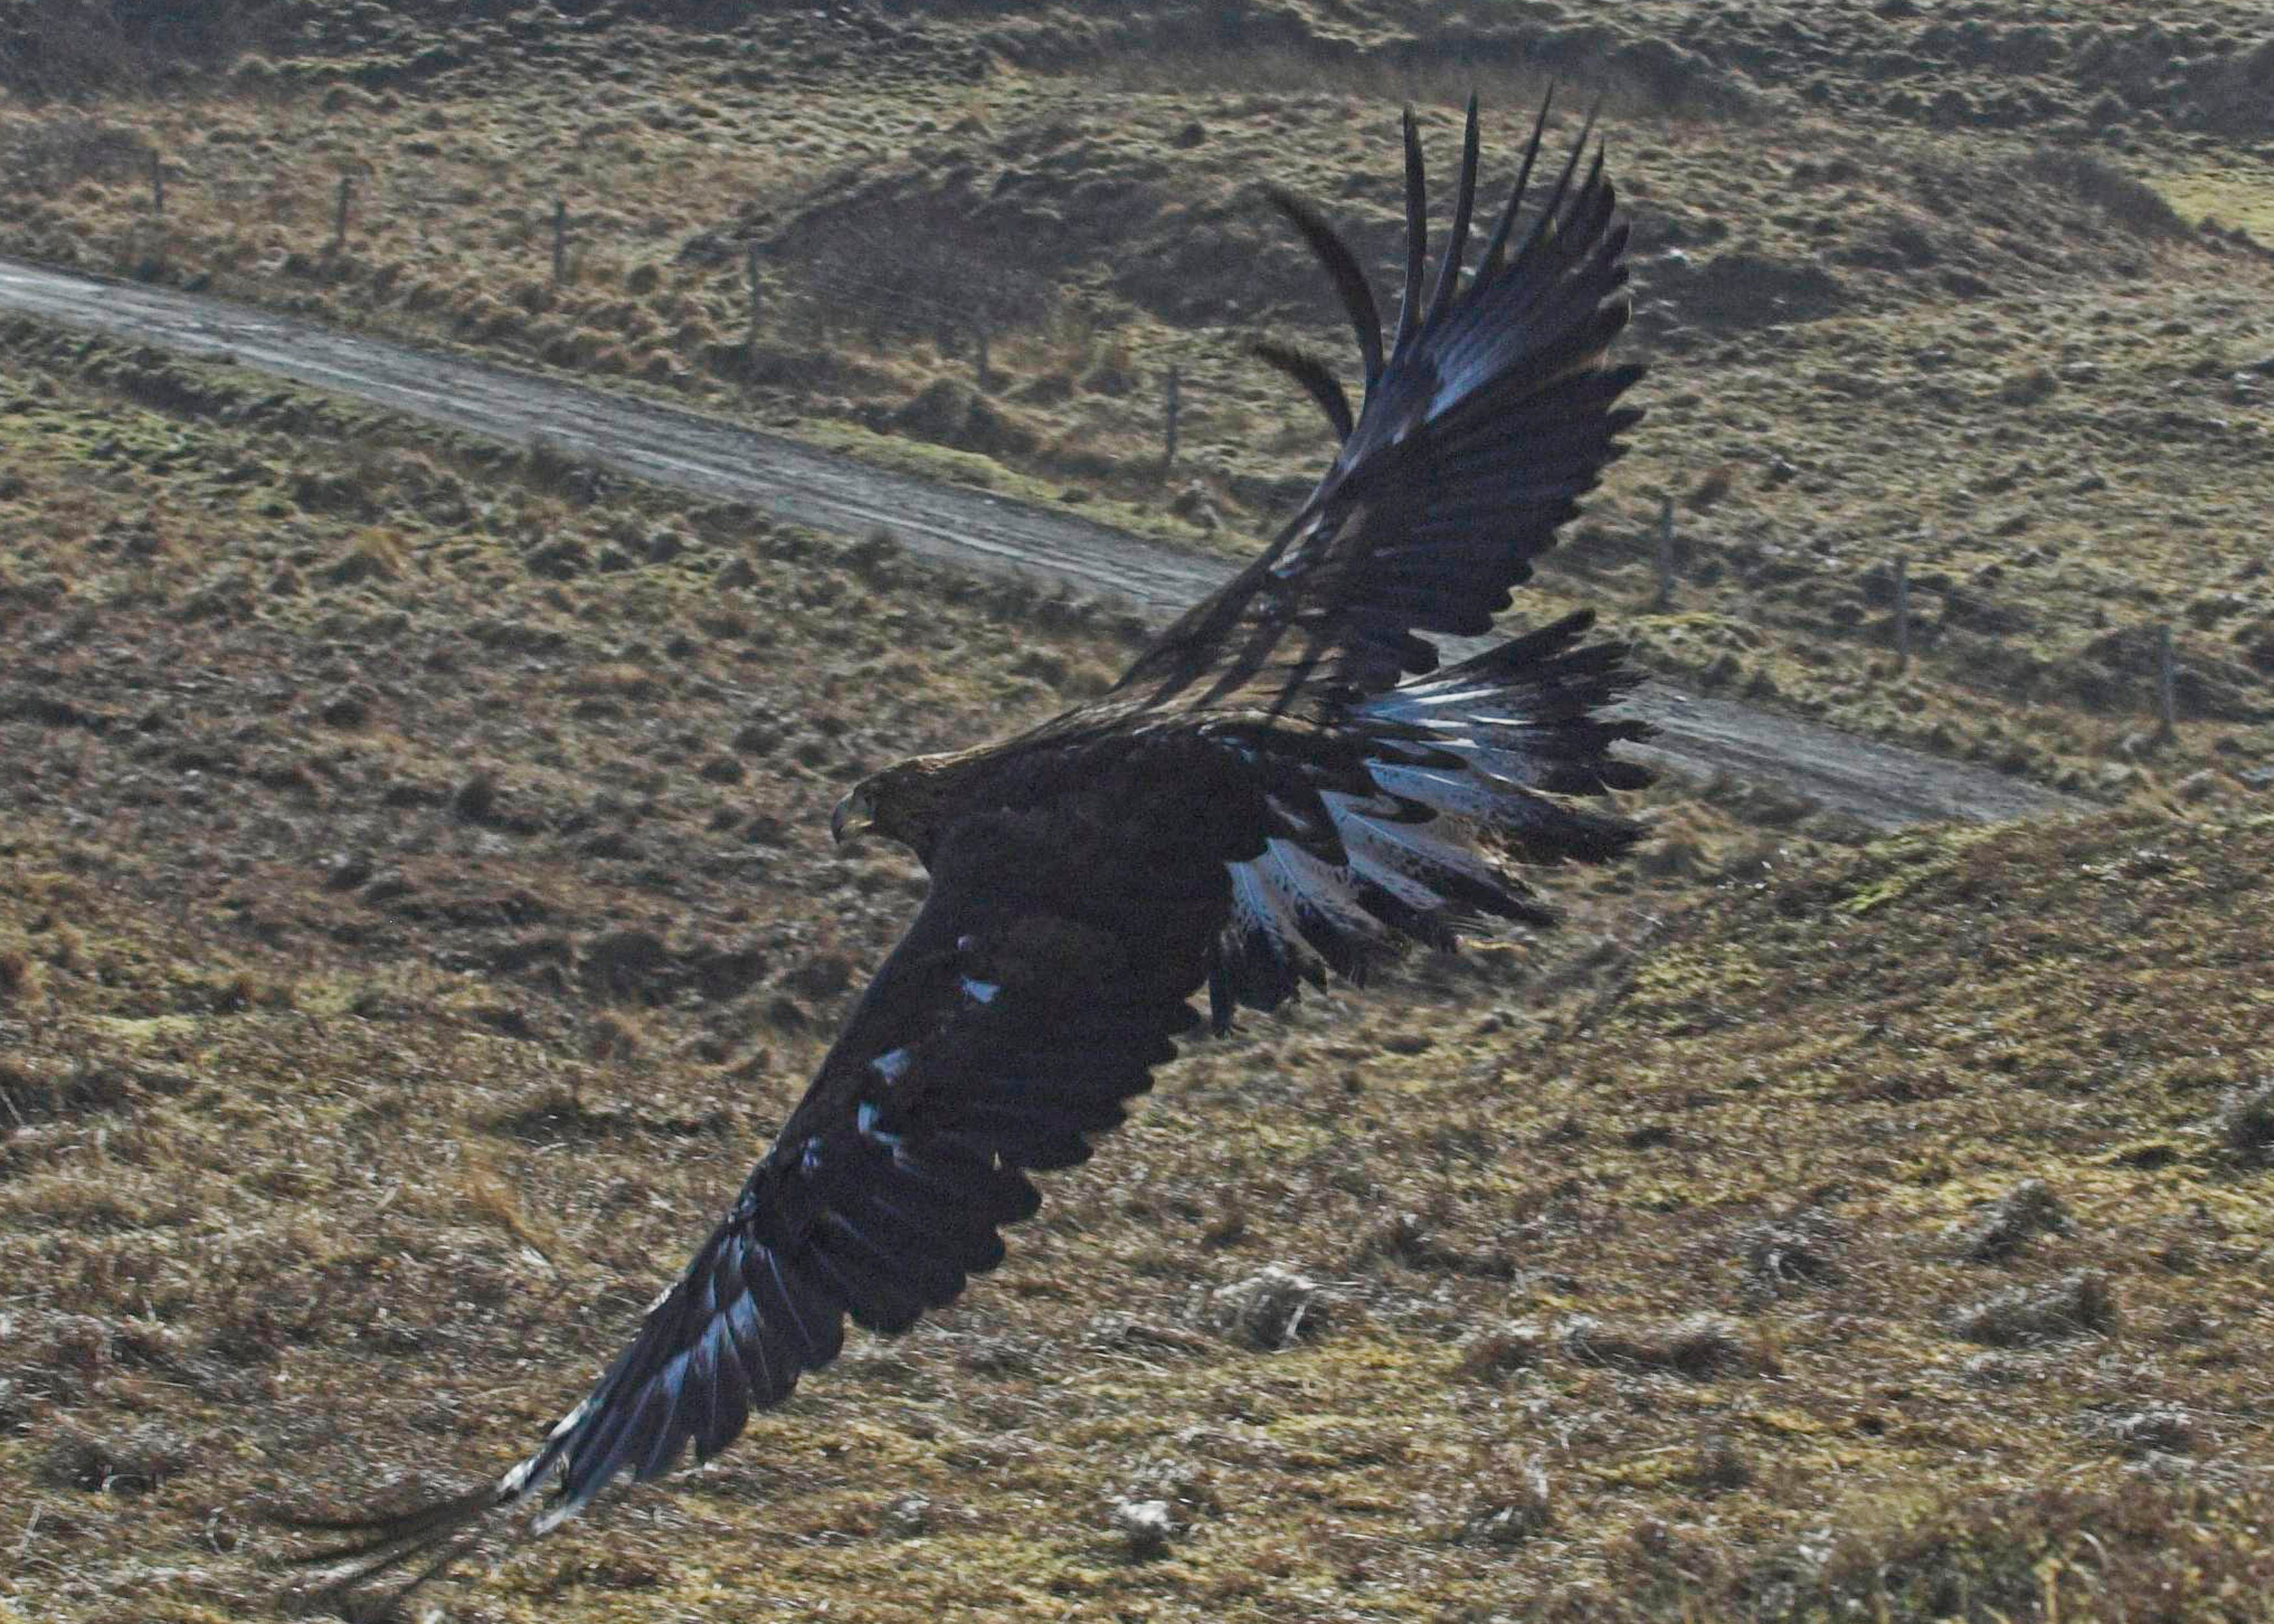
(1882, 786)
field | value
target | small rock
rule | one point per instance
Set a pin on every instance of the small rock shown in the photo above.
(2164, 1429)
(1146, 1525)
(347, 870)
(906, 1517)
(2029, 1209)
(1270, 1311)
(2080, 1303)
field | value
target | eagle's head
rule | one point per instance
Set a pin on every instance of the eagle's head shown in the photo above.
(902, 802)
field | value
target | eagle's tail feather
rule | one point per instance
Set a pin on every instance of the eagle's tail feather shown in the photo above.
(1469, 766)
(432, 1536)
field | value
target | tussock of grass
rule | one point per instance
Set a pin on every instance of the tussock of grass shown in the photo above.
(2129, 200)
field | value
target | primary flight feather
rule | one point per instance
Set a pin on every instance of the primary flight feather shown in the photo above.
(1282, 788)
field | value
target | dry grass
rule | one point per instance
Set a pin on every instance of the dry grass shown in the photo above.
(2098, 467)
(414, 913)
(350, 1120)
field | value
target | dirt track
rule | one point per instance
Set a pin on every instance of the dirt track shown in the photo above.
(1879, 785)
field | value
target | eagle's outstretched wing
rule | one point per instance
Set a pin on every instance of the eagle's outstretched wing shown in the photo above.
(1049, 970)
(1492, 412)
(1196, 828)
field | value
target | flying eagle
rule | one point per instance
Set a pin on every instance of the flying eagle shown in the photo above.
(1284, 787)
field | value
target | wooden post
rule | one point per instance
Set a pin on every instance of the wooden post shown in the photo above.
(2167, 702)
(559, 241)
(1664, 553)
(1171, 404)
(750, 270)
(1902, 612)
(340, 218)
(157, 184)
(979, 332)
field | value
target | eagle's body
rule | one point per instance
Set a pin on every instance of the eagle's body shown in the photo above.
(1282, 788)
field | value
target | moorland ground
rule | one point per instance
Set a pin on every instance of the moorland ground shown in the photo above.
(1924, 282)
(417, 908)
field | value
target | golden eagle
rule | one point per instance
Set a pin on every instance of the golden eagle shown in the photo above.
(1284, 786)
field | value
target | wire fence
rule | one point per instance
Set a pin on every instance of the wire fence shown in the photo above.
(1924, 621)
(1906, 604)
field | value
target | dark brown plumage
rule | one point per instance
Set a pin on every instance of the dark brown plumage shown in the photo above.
(1283, 786)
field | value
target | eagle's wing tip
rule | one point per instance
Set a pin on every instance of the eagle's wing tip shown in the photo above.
(368, 1547)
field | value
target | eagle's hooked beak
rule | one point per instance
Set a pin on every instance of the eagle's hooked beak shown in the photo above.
(853, 814)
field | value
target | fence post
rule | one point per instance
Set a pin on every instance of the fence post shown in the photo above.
(1172, 403)
(2166, 686)
(1665, 554)
(157, 182)
(559, 241)
(750, 268)
(1902, 612)
(340, 218)
(979, 332)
